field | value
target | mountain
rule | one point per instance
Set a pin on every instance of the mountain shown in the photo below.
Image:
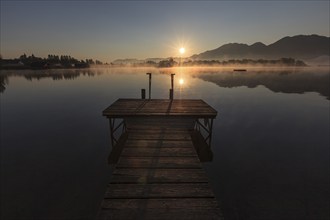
(303, 47)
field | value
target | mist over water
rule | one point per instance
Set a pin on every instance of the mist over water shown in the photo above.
(270, 139)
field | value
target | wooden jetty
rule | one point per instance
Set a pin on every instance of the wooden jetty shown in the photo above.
(158, 174)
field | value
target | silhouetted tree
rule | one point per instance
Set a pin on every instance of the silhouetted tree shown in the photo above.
(98, 62)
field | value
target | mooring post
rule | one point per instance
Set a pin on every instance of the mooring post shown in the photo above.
(171, 94)
(149, 84)
(172, 86)
(143, 94)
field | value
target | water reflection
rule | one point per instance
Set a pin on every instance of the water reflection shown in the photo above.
(277, 81)
(53, 74)
(3, 83)
(285, 81)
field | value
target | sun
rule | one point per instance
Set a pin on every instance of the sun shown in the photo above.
(182, 50)
(181, 81)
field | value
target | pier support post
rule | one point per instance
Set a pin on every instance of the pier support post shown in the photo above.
(114, 127)
(143, 94)
(207, 126)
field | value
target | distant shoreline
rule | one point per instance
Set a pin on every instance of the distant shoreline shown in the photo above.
(177, 68)
(68, 62)
(236, 64)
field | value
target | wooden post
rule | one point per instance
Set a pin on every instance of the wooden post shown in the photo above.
(172, 86)
(172, 80)
(211, 128)
(143, 94)
(171, 94)
(149, 84)
(111, 122)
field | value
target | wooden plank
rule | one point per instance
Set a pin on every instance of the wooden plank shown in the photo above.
(161, 214)
(124, 106)
(157, 152)
(159, 131)
(159, 143)
(177, 109)
(156, 129)
(161, 121)
(179, 190)
(159, 162)
(160, 127)
(158, 176)
(190, 114)
(150, 105)
(161, 136)
(121, 114)
(169, 203)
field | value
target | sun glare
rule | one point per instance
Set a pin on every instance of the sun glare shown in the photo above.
(182, 50)
(181, 81)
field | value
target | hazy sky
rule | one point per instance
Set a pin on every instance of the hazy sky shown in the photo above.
(108, 30)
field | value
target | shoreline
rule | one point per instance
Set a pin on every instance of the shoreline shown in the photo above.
(232, 68)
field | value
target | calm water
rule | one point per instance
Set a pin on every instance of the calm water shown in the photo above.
(270, 144)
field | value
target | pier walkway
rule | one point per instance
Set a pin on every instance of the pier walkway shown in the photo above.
(158, 174)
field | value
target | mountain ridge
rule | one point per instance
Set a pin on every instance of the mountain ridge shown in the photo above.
(303, 47)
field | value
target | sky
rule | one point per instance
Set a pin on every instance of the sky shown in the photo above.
(109, 30)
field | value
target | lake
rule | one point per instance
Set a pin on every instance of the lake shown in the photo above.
(270, 139)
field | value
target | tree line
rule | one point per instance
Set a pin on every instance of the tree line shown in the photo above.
(234, 62)
(170, 62)
(52, 61)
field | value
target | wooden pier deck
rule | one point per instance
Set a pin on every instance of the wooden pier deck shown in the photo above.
(158, 174)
